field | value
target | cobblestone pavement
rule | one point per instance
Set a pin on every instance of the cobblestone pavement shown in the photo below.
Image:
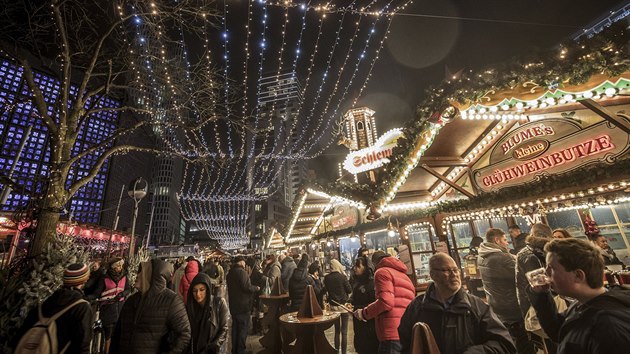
(254, 346)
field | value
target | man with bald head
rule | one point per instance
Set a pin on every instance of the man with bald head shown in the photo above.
(460, 322)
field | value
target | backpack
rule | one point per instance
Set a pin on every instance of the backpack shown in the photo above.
(42, 337)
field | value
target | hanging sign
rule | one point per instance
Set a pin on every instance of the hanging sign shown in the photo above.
(344, 216)
(374, 156)
(550, 146)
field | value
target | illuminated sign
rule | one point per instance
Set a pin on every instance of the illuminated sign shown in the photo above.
(529, 152)
(374, 156)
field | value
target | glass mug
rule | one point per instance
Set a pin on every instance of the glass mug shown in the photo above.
(537, 277)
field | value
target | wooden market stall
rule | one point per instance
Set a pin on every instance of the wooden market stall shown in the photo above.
(539, 139)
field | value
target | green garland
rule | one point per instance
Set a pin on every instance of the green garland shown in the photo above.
(608, 53)
(544, 187)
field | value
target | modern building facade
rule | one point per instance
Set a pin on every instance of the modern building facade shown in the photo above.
(19, 124)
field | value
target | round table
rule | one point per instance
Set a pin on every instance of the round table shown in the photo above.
(272, 341)
(309, 333)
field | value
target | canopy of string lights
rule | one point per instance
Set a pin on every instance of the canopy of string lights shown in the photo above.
(278, 74)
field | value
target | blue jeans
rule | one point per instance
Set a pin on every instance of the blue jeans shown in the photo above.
(389, 347)
(343, 331)
(240, 328)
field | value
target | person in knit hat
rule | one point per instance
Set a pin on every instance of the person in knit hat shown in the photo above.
(74, 327)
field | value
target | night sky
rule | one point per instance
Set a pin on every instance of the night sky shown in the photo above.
(454, 35)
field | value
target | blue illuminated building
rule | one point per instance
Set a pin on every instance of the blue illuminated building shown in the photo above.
(33, 166)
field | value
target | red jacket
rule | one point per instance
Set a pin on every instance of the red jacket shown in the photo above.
(192, 269)
(394, 291)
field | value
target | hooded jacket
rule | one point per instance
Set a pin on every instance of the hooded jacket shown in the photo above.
(598, 326)
(337, 285)
(394, 291)
(208, 322)
(466, 326)
(365, 340)
(153, 320)
(191, 271)
(529, 258)
(298, 284)
(288, 267)
(497, 269)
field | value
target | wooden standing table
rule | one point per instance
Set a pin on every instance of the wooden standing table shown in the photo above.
(310, 332)
(272, 341)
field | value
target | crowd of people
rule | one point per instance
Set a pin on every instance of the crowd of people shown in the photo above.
(190, 307)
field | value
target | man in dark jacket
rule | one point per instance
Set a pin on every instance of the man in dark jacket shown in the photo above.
(288, 267)
(74, 327)
(497, 268)
(518, 238)
(240, 291)
(599, 322)
(460, 322)
(530, 258)
(154, 319)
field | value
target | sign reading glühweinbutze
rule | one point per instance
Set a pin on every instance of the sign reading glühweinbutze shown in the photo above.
(549, 146)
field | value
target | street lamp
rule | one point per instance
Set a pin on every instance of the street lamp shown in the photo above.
(137, 190)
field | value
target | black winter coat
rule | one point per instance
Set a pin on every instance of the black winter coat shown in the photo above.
(365, 339)
(338, 288)
(497, 268)
(601, 325)
(288, 267)
(240, 290)
(297, 287)
(75, 325)
(467, 326)
(153, 322)
(529, 258)
(209, 323)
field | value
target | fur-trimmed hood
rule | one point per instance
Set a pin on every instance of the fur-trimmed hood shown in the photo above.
(537, 242)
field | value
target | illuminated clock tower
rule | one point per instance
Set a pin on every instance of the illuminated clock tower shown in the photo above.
(361, 133)
(360, 128)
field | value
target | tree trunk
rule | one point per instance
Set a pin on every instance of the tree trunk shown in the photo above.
(46, 230)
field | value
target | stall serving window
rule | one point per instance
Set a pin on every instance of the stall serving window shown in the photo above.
(464, 231)
(462, 235)
(348, 248)
(568, 220)
(385, 240)
(421, 240)
(612, 221)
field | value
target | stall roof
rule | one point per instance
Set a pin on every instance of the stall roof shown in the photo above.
(457, 116)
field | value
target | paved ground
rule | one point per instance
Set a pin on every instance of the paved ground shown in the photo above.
(254, 346)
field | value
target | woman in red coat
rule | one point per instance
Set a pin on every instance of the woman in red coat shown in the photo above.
(191, 271)
(394, 291)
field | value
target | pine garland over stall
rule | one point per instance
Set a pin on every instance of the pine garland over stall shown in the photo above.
(573, 63)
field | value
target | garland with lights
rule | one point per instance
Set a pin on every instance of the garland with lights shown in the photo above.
(544, 186)
(605, 53)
